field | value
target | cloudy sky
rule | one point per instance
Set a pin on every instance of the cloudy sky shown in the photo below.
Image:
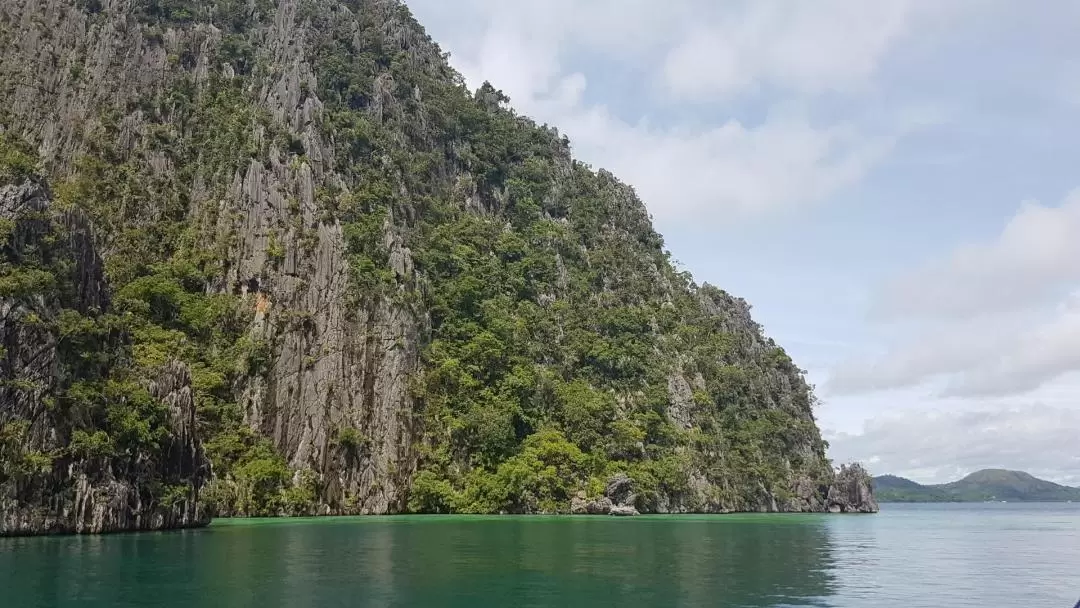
(894, 185)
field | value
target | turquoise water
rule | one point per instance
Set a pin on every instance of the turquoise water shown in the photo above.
(907, 556)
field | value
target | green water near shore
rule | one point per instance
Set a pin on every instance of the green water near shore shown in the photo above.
(909, 555)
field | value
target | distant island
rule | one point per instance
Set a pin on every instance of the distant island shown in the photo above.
(980, 486)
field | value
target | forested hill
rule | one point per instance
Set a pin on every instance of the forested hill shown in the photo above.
(273, 258)
(980, 486)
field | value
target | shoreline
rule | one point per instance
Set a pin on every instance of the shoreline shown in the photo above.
(240, 522)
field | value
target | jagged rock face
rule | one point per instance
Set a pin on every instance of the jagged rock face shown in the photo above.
(30, 348)
(345, 366)
(422, 281)
(47, 483)
(87, 497)
(852, 491)
(600, 506)
(340, 367)
(182, 454)
(618, 499)
(620, 490)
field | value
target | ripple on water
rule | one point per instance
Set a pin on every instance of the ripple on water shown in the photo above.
(937, 556)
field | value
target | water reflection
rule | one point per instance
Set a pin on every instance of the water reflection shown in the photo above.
(434, 562)
(915, 558)
(769, 564)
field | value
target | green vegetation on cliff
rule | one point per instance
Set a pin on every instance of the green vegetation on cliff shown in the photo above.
(392, 293)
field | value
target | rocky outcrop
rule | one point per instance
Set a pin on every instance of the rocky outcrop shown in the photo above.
(58, 470)
(579, 505)
(624, 510)
(852, 491)
(620, 491)
(600, 506)
(618, 499)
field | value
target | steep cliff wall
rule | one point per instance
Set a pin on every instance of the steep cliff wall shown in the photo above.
(392, 294)
(86, 444)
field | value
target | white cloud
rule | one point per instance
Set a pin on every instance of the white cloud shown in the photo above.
(704, 49)
(991, 330)
(1037, 252)
(950, 350)
(1029, 359)
(807, 47)
(682, 171)
(934, 447)
(1005, 355)
(686, 174)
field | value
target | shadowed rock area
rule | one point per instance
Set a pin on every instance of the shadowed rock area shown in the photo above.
(54, 476)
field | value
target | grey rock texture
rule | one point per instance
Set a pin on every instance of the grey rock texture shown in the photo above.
(851, 491)
(618, 499)
(578, 505)
(620, 489)
(620, 492)
(600, 506)
(30, 348)
(342, 366)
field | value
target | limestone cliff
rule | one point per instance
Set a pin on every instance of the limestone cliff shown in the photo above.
(392, 293)
(58, 471)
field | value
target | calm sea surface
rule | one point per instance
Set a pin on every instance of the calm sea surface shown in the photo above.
(937, 556)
